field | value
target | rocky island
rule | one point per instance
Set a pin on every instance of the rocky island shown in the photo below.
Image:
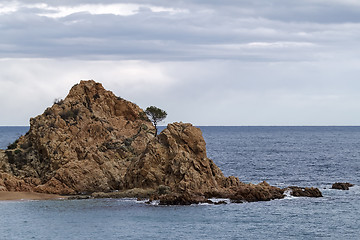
(96, 144)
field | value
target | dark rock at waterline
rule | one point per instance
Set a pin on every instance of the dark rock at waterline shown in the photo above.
(342, 186)
(260, 192)
(305, 192)
(79, 197)
(180, 199)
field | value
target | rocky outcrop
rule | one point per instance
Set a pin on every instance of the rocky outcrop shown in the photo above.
(9, 182)
(304, 192)
(253, 193)
(94, 142)
(177, 158)
(83, 143)
(182, 199)
(342, 186)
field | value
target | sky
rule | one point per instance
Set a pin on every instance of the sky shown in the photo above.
(227, 63)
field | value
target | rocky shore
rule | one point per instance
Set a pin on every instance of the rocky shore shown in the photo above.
(97, 144)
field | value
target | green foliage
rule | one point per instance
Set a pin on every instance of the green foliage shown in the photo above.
(69, 114)
(13, 145)
(17, 151)
(48, 112)
(155, 115)
(143, 116)
(26, 145)
(58, 101)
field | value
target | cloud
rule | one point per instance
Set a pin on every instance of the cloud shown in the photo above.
(217, 92)
(176, 31)
(228, 62)
(29, 86)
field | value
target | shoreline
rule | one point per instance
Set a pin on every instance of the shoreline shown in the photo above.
(20, 196)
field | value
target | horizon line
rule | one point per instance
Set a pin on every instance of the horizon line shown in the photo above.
(233, 125)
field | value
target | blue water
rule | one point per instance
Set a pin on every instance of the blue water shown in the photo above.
(303, 156)
(9, 134)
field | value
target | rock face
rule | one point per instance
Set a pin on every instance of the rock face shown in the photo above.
(95, 142)
(177, 158)
(252, 193)
(305, 192)
(83, 143)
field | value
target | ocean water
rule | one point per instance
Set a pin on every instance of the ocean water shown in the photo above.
(9, 134)
(283, 156)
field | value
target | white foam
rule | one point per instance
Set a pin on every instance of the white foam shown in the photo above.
(216, 200)
(288, 195)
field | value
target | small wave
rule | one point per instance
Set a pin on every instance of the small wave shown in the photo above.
(287, 193)
(217, 200)
(147, 201)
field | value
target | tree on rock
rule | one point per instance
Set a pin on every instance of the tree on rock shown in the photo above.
(156, 115)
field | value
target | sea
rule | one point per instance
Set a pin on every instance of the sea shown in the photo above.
(282, 156)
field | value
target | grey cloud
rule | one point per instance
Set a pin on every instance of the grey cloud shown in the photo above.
(300, 31)
(252, 62)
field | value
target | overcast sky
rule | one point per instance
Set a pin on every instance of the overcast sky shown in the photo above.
(228, 62)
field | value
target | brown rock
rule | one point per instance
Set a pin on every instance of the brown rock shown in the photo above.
(260, 192)
(93, 141)
(305, 192)
(130, 193)
(83, 143)
(181, 199)
(342, 186)
(9, 182)
(177, 159)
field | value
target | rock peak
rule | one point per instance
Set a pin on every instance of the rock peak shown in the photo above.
(83, 143)
(93, 141)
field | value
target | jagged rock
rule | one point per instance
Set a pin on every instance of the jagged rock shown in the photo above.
(305, 192)
(342, 186)
(83, 143)
(260, 192)
(181, 199)
(12, 183)
(177, 159)
(93, 142)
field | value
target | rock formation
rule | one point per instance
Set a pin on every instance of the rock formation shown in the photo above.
(342, 186)
(305, 192)
(177, 158)
(95, 142)
(83, 143)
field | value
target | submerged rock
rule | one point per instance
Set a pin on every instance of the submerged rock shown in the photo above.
(342, 186)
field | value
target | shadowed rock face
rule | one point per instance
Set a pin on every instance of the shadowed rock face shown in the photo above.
(93, 141)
